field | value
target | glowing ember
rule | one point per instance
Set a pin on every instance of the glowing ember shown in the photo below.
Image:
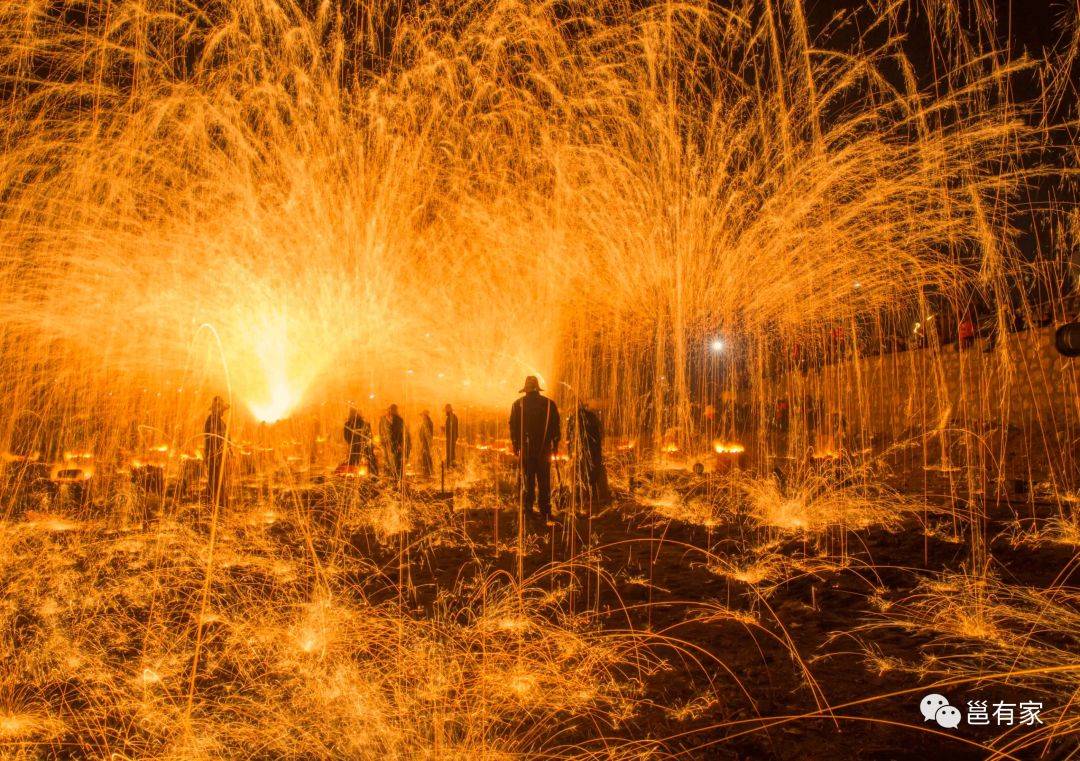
(513, 624)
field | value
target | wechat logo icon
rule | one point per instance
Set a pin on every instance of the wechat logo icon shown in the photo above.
(936, 707)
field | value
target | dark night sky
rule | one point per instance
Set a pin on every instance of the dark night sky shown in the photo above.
(1032, 24)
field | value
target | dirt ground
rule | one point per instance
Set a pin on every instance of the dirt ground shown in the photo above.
(767, 671)
(731, 690)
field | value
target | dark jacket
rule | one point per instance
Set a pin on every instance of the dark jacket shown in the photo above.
(585, 425)
(427, 432)
(534, 425)
(357, 435)
(354, 431)
(392, 432)
(214, 436)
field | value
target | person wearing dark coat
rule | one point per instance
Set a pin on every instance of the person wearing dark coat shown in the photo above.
(585, 429)
(534, 435)
(369, 450)
(214, 440)
(355, 437)
(392, 433)
(450, 428)
(427, 434)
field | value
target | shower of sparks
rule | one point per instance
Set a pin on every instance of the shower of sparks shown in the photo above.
(195, 197)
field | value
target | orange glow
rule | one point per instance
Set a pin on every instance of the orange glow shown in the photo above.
(66, 473)
(11, 457)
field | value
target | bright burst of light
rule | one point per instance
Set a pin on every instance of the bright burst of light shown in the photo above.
(216, 223)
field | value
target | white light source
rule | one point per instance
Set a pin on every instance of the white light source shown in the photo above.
(717, 345)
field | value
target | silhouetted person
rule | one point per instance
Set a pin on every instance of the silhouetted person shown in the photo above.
(965, 332)
(584, 428)
(427, 434)
(369, 450)
(534, 433)
(450, 428)
(214, 440)
(355, 436)
(313, 441)
(392, 433)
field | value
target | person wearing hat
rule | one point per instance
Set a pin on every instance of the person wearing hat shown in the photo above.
(355, 436)
(393, 434)
(214, 439)
(534, 434)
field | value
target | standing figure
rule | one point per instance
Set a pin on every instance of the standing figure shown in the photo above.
(427, 434)
(534, 434)
(314, 439)
(584, 429)
(355, 437)
(965, 332)
(392, 433)
(369, 449)
(450, 428)
(214, 442)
